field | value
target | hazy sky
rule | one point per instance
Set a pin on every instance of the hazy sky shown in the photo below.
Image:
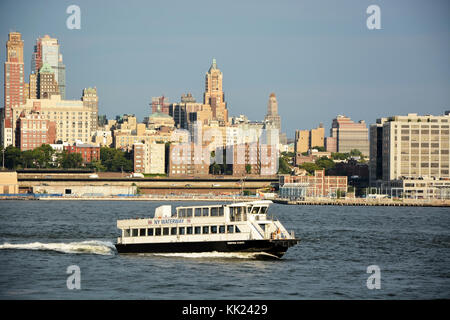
(319, 57)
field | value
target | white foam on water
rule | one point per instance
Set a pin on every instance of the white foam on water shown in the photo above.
(87, 247)
(216, 254)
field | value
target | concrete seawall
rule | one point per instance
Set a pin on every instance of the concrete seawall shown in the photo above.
(366, 202)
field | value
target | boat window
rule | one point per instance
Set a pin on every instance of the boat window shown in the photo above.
(221, 229)
(198, 230)
(230, 228)
(181, 213)
(135, 232)
(205, 229)
(165, 231)
(189, 212)
(237, 230)
(263, 226)
(142, 232)
(150, 231)
(213, 229)
(255, 209)
(205, 212)
(157, 231)
(181, 230)
(126, 232)
(198, 212)
(263, 209)
(214, 212)
(173, 231)
(188, 230)
(221, 211)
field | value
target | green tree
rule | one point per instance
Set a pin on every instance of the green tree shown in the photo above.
(13, 157)
(288, 154)
(356, 153)
(248, 168)
(28, 158)
(97, 165)
(44, 155)
(310, 167)
(340, 156)
(116, 160)
(320, 149)
(70, 160)
(283, 166)
(325, 163)
(215, 168)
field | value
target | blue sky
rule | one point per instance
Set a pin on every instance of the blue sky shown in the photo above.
(317, 56)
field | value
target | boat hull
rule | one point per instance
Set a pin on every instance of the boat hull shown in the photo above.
(276, 248)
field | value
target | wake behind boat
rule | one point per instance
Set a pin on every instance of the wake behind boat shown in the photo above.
(238, 227)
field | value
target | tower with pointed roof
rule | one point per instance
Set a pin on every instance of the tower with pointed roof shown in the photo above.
(272, 118)
(214, 96)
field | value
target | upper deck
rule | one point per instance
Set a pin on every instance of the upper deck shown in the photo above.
(202, 214)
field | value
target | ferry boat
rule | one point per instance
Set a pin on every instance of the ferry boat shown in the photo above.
(238, 227)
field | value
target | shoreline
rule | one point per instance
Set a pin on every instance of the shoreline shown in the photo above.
(318, 202)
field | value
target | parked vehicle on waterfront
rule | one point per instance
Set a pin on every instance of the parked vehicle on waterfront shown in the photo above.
(238, 227)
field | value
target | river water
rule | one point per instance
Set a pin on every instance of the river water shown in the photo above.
(39, 240)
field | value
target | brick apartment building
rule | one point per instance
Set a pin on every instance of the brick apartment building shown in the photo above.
(89, 152)
(318, 185)
(188, 160)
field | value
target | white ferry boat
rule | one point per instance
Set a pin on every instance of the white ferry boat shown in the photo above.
(237, 227)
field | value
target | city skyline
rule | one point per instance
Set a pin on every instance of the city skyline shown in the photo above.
(327, 65)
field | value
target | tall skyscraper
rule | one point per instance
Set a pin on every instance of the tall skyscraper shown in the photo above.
(214, 95)
(272, 120)
(47, 51)
(272, 116)
(46, 85)
(14, 91)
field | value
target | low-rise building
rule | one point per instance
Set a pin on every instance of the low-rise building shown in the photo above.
(312, 156)
(318, 185)
(415, 188)
(8, 182)
(89, 152)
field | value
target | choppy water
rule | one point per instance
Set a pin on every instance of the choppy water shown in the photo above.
(40, 239)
